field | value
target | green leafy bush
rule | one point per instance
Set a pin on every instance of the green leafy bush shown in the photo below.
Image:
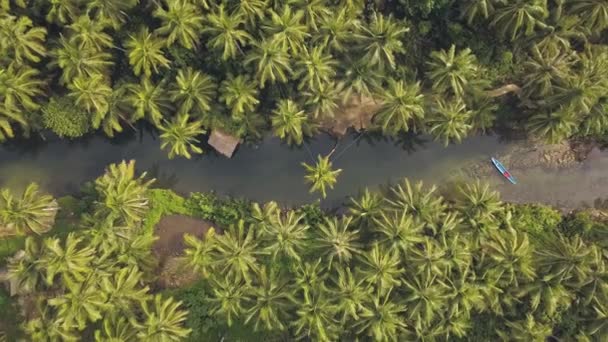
(65, 118)
(163, 202)
(224, 212)
(534, 218)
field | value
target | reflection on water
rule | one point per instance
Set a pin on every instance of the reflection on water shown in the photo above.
(272, 170)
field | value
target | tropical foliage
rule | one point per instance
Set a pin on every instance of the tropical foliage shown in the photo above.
(236, 66)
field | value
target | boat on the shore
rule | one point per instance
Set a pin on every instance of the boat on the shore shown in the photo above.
(503, 170)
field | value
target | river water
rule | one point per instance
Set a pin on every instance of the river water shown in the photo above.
(272, 170)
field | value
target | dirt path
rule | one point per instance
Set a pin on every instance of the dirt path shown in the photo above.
(170, 246)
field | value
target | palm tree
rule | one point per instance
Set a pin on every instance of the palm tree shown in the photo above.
(315, 317)
(149, 100)
(451, 72)
(323, 101)
(123, 289)
(509, 258)
(115, 329)
(309, 276)
(465, 296)
(89, 34)
(199, 254)
(121, 194)
(181, 136)
(19, 38)
(425, 297)
(381, 318)
(227, 298)
(226, 34)
(581, 91)
(471, 9)
(336, 31)
(111, 11)
(429, 256)
(599, 324)
(546, 296)
(118, 112)
(337, 239)
(381, 39)
(251, 10)
(47, 327)
(351, 292)
(366, 208)
(24, 268)
(163, 321)
(527, 330)
(286, 29)
(82, 303)
(450, 121)
(596, 120)
(238, 251)
(315, 68)
(286, 236)
(290, 123)
(145, 52)
(137, 252)
(33, 211)
(517, 18)
(593, 13)
(397, 231)
(71, 261)
(544, 71)
(422, 203)
(314, 11)
(19, 86)
(564, 259)
(381, 268)
(321, 176)
(479, 203)
(401, 103)
(181, 22)
(91, 93)
(361, 80)
(193, 90)
(554, 126)
(240, 94)
(270, 301)
(62, 11)
(75, 61)
(271, 62)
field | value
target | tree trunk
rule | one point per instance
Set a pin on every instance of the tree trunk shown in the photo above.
(509, 88)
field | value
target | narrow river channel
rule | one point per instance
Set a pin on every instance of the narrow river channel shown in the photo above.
(272, 170)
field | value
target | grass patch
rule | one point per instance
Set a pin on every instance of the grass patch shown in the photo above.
(163, 202)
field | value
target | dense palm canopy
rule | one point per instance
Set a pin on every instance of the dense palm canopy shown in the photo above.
(193, 91)
(226, 32)
(451, 72)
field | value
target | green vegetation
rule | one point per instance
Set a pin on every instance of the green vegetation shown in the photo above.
(407, 263)
(248, 67)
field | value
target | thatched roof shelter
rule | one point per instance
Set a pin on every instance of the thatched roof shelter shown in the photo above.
(223, 142)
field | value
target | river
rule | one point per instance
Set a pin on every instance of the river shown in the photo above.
(272, 170)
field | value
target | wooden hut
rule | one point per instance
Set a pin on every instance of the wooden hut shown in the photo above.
(223, 142)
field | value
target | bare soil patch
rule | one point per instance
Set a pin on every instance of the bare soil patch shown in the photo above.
(170, 246)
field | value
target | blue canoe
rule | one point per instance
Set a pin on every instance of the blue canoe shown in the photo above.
(504, 171)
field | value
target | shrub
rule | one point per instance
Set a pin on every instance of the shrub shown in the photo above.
(223, 212)
(163, 202)
(65, 118)
(534, 218)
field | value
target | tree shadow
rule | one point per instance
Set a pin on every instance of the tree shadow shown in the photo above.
(164, 180)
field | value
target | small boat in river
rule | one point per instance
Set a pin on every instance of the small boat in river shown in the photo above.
(504, 171)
